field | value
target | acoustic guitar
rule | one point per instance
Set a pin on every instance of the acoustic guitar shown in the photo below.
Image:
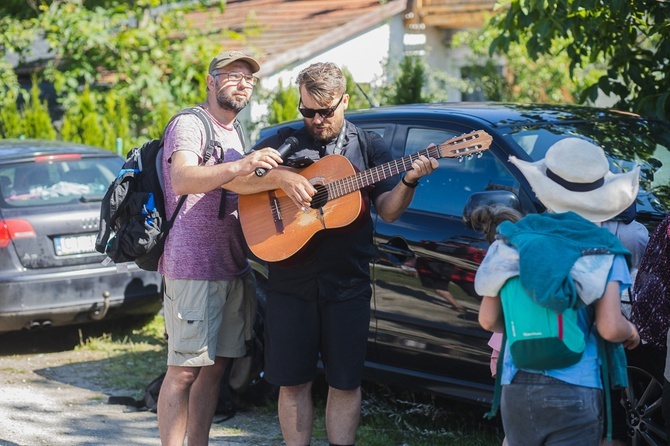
(276, 229)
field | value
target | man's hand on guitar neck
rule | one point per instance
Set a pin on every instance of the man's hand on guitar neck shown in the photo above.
(391, 205)
(421, 167)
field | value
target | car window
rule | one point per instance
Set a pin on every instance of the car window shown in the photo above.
(448, 188)
(56, 182)
(377, 130)
(627, 143)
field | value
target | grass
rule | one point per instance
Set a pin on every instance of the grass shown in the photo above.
(398, 417)
(135, 355)
(390, 416)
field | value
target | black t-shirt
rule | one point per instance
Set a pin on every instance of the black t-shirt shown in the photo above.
(336, 263)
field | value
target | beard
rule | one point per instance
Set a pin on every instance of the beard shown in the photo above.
(326, 132)
(228, 102)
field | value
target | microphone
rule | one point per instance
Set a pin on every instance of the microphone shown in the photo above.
(290, 144)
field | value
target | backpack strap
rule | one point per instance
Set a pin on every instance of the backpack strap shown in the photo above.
(614, 373)
(495, 403)
(210, 141)
(363, 143)
(224, 192)
(240, 132)
(604, 372)
(210, 144)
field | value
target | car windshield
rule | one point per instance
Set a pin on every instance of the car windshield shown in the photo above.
(628, 143)
(56, 182)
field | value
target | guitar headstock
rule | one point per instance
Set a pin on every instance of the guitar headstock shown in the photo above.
(465, 145)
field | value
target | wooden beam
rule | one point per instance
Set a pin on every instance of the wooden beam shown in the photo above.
(454, 20)
(449, 14)
(484, 5)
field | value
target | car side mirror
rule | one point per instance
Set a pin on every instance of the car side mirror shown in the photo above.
(490, 198)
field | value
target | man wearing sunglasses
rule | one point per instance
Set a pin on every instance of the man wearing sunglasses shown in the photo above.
(319, 307)
(209, 304)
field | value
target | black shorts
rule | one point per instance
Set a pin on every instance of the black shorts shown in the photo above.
(298, 332)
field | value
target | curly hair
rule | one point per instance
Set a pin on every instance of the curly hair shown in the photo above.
(486, 218)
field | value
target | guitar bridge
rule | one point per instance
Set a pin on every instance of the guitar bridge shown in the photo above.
(276, 212)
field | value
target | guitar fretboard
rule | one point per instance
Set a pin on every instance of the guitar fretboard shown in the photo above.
(457, 147)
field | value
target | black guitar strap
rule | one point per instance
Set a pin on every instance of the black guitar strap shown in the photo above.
(340, 139)
(364, 143)
(224, 193)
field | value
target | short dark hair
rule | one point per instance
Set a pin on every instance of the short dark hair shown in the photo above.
(324, 81)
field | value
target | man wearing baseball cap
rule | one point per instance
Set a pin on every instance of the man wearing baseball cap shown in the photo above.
(209, 302)
(227, 57)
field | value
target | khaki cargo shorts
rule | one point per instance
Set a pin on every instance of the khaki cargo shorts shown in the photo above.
(204, 319)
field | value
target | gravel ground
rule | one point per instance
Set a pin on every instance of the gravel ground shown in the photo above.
(48, 398)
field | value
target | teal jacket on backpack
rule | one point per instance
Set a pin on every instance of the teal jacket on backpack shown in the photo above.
(549, 245)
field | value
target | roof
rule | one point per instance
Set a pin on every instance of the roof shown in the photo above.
(447, 14)
(282, 32)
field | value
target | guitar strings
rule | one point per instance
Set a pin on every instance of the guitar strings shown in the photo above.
(344, 186)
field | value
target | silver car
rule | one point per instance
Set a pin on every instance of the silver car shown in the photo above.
(50, 273)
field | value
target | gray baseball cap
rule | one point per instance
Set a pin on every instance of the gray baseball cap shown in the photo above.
(227, 57)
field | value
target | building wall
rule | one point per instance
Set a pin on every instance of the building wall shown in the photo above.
(365, 56)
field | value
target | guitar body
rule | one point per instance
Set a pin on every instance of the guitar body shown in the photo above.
(276, 229)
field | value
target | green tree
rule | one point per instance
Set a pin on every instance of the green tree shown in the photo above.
(358, 98)
(115, 121)
(149, 56)
(545, 78)
(81, 122)
(631, 37)
(409, 84)
(163, 114)
(36, 121)
(16, 38)
(129, 52)
(284, 104)
(10, 118)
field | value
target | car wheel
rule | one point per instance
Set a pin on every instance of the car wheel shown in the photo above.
(642, 402)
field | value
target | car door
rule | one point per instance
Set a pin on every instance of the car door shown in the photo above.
(425, 307)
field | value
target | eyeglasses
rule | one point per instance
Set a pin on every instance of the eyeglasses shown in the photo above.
(236, 76)
(325, 113)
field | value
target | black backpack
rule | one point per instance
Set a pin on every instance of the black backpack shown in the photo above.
(133, 224)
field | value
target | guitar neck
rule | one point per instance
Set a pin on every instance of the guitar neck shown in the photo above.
(379, 173)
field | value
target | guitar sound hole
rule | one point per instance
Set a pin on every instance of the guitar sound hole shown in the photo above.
(320, 198)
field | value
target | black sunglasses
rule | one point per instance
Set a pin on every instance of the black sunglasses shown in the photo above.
(325, 113)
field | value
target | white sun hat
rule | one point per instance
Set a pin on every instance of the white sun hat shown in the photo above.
(574, 176)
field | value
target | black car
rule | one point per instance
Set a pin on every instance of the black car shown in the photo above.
(50, 273)
(424, 332)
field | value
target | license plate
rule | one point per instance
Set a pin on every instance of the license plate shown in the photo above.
(74, 244)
